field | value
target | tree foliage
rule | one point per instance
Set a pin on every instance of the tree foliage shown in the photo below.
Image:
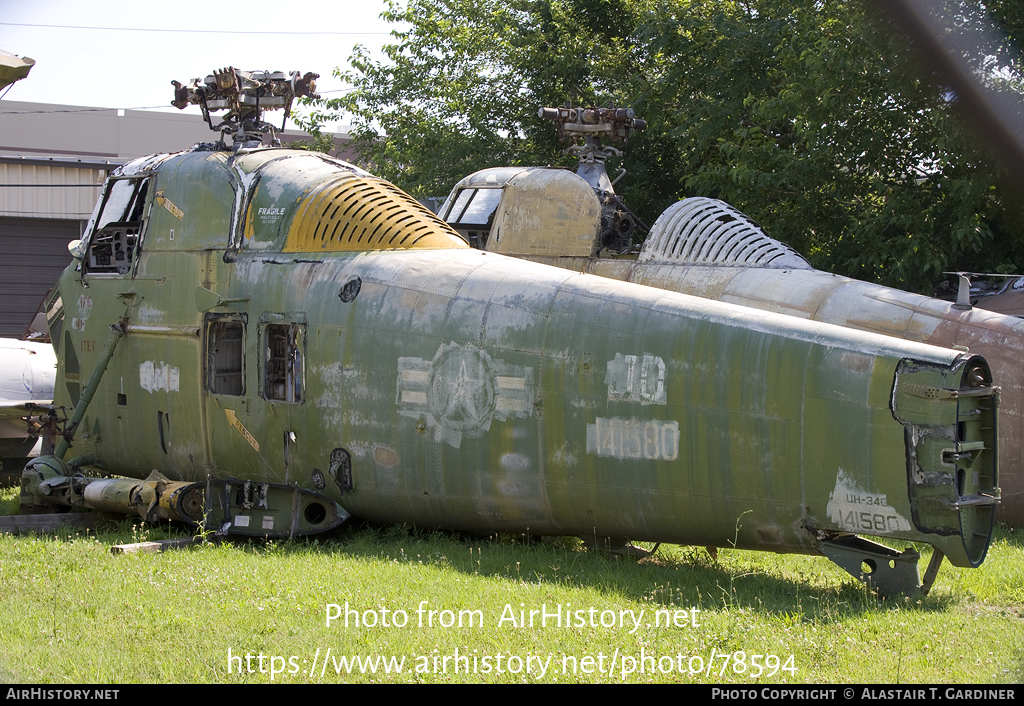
(813, 118)
(462, 85)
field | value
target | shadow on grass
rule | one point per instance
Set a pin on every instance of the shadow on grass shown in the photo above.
(787, 587)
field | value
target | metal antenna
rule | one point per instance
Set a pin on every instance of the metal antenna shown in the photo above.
(963, 292)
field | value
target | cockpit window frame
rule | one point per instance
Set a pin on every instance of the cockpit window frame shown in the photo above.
(118, 237)
(471, 204)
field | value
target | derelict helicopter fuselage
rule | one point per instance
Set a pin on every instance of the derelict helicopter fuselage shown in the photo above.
(287, 341)
(267, 341)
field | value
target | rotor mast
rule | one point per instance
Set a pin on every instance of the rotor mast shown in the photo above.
(245, 95)
(594, 125)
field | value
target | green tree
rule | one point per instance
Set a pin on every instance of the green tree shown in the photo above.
(811, 117)
(462, 85)
(816, 121)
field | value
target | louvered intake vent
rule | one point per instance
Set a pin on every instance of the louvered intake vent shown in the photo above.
(703, 231)
(355, 213)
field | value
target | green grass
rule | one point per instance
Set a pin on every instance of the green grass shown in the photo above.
(73, 612)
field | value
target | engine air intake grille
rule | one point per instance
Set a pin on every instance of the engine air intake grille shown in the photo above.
(354, 213)
(703, 231)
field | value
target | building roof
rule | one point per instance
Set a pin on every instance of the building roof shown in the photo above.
(105, 135)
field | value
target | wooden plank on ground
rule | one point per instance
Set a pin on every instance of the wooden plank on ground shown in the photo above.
(161, 545)
(20, 524)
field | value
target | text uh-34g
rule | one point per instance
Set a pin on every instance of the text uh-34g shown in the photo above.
(268, 341)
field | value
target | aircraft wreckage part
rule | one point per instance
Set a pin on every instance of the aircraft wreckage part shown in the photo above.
(159, 500)
(703, 231)
(46, 482)
(822, 296)
(950, 486)
(27, 371)
(236, 507)
(631, 457)
(890, 572)
(253, 509)
(449, 387)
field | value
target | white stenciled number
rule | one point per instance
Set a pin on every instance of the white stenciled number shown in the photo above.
(633, 429)
(650, 439)
(670, 441)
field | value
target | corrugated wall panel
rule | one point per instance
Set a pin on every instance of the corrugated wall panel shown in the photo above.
(28, 190)
(34, 253)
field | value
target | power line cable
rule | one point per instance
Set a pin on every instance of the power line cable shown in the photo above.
(147, 29)
(78, 110)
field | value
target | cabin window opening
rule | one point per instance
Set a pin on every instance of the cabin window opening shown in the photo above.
(480, 210)
(226, 357)
(461, 200)
(282, 362)
(472, 214)
(116, 235)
